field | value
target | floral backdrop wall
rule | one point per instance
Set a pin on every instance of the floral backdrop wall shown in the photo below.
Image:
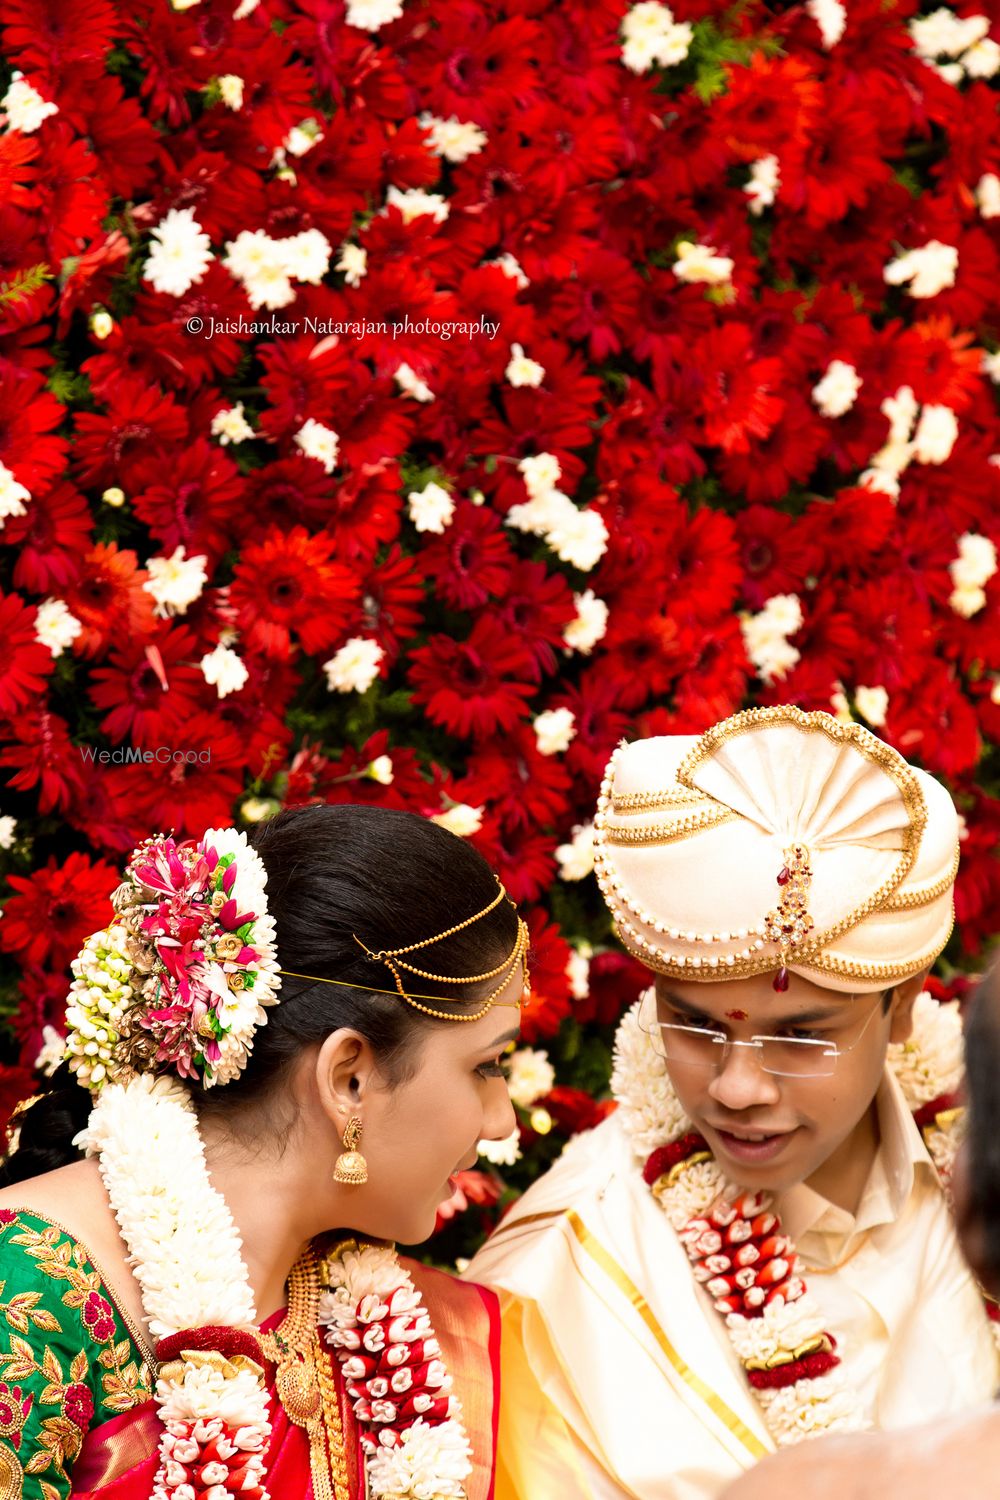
(402, 402)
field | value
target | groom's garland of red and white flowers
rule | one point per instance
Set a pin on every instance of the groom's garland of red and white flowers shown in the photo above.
(735, 1240)
(211, 1393)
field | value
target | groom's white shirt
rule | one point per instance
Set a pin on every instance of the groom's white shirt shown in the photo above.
(619, 1378)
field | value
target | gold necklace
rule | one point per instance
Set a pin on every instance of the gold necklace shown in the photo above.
(305, 1381)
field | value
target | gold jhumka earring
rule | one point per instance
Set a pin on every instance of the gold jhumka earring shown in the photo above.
(351, 1167)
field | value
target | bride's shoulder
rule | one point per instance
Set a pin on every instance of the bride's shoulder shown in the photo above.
(72, 1197)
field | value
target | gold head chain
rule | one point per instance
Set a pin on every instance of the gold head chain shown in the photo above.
(394, 961)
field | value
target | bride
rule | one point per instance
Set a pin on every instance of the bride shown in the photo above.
(200, 1296)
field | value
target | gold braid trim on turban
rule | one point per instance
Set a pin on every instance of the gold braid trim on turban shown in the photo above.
(777, 838)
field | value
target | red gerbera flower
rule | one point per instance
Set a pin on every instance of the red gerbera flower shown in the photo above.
(91, 276)
(768, 467)
(257, 713)
(535, 609)
(70, 197)
(931, 720)
(737, 392)
(109, 599)
(122, 139)
(287, 585)
(28, 417)
(41, 754)
(599, 303)
(300, 377)
(520, 784)
(173, 64)
(195, 786)
(47, 34)
(196, 504)
(55, 908)
(225, 195)
(477, 68)
(523, 857)
(476, 686)
(548, 956)
(393, 595)
(25, 664)
(18, 169)
(52, 538)
(776, 557)
(276, 88)
(838, 167)
(129, 443)
(43, 1003)
(131, 691)
(471, 560)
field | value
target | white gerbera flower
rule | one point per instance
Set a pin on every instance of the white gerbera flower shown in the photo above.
(502, 1153)
(702, 263)
(521, 370)
(837, 392)
(414, 203)
(462, 819)
(230, 426)
(576, 859)
(456, 140)
(762, 188)
(318, 442)
(224, 670)
(26, 109)
(354, 667)
(12, 495)
(554, 730)
(531, 1075)
(928, 270)
(372, 15)
(936, 435)
(430, 509)
(353, 262)
(588, 627)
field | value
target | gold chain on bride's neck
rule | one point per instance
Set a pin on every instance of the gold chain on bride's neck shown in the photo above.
(305, 1381)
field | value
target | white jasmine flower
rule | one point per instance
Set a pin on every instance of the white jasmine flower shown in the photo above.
(353, 262)
(231, 89)
(837, 392)
(461, 819)
(975, 566)
(175, 581)
(531, 1075)
(541, 472)
(872, 704)
(831, 18)
(510, 267)
(380, 770)
(502, 1153)
(12, 495)
(942, 34)
(653, 36)
(224, 670)
(431, 508)
(414, 202)
(702, 263)
(411, 384)
(256, 809)
(101, 324)
(456, 140)
(55, 627)
(976, 562)
(230, 425)
(991, 366)
(765, 636)
(521, 370)
(576, 859)
(765, 179)
(180, 254)
(354, 667)
(839, 706)
(372, 15)
(258, 263)
(554, 730)
(302, 138)
(579, 538)
(783, 612)
(26, 109)
(7, 827)
(982, 60)
(935, 436)
(578, 972)
(583, 633)
(901, 409)
(307, 255)
(929, 269)
(988, 195)
(318, 442)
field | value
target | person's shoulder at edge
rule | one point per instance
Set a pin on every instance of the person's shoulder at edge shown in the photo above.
(881, 1466)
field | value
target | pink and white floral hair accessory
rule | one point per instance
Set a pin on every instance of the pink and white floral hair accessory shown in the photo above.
(179, 980)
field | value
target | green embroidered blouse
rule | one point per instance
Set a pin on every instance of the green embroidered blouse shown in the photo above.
(68, 1361)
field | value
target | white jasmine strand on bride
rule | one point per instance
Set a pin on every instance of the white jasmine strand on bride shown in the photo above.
(185, 1247)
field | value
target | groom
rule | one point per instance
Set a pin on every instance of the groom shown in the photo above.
(755, 1248)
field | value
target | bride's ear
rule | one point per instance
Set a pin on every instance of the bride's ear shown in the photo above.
(345, 1071)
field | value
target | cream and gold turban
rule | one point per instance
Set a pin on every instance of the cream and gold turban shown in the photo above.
(778, 840)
